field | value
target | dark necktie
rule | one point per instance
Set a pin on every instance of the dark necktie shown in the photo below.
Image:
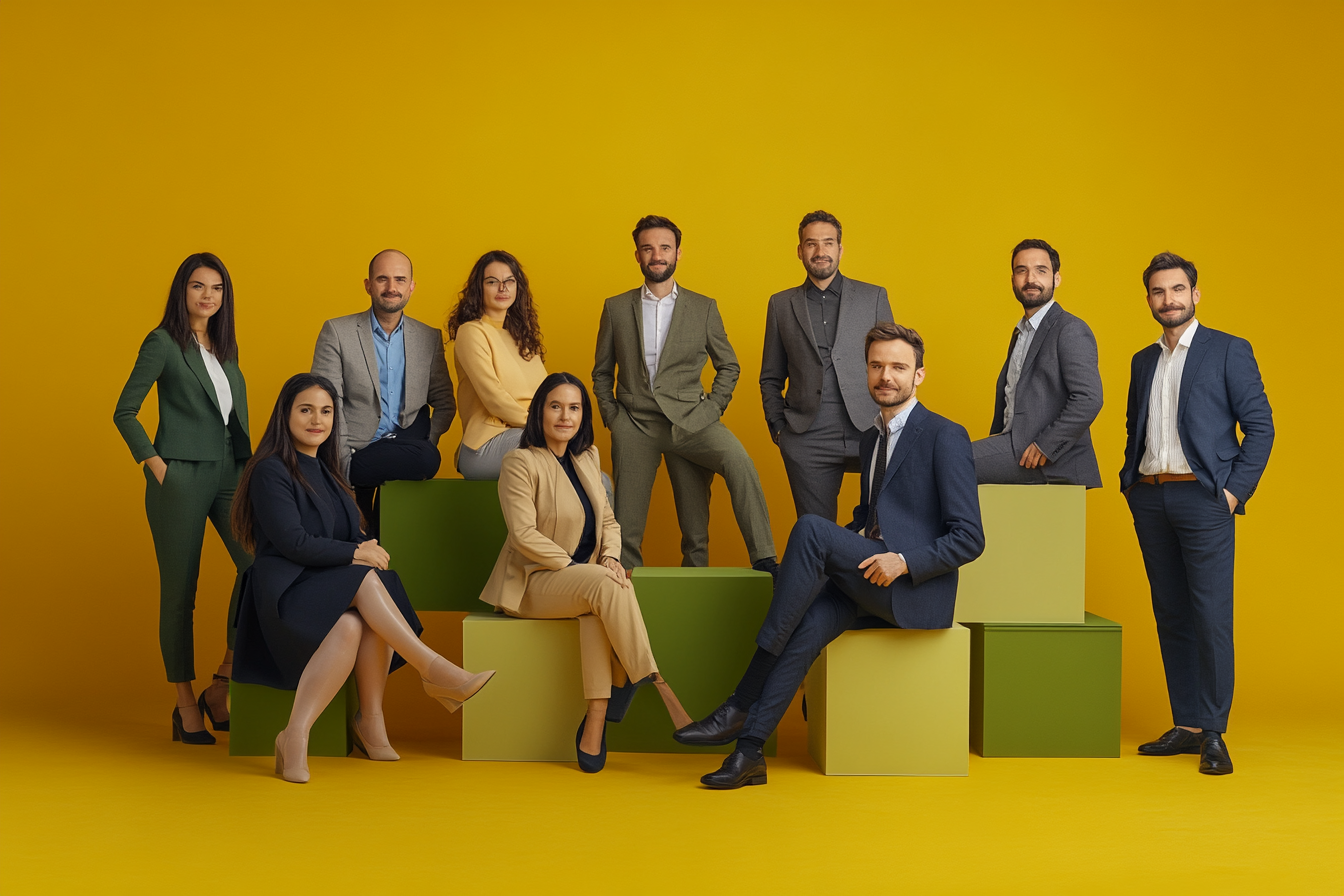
(871, 529)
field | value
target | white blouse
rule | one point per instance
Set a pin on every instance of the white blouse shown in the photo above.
(222, 390)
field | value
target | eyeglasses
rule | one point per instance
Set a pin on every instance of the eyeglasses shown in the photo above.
(506, 285)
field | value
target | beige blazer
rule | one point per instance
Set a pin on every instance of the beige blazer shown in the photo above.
(545, 520)
(494, 384)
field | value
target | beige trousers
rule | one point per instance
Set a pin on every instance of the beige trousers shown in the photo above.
(613, 642)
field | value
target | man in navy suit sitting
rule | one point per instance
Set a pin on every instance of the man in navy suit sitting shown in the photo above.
(894, 565)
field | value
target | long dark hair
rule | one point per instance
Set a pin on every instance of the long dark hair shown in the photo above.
(520, 320)
(534, 436)
(277, 442)
(176, 320)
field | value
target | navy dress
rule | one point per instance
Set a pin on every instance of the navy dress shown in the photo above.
(302, 579)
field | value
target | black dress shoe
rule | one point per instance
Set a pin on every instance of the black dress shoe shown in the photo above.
(1174, 742)
(720, 727)
(621, 698)
(588, 762)
(738, 770)
(1213, 758)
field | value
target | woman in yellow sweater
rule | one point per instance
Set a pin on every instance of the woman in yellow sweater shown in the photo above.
(500, 361)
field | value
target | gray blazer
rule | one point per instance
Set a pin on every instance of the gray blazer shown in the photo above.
(345, 355)
(1058, 396)
(694, 335)
(791, 354)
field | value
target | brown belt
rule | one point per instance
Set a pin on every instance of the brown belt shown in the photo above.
(1160, 478)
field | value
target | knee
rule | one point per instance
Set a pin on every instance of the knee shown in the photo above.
(349, 627)
(808, 527)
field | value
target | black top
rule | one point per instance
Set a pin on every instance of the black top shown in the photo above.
(588, 541)
(823, 307)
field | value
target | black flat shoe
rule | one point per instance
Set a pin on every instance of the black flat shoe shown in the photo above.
(587, 761)
(720, 727)
(1173, 743)
(204, 706)
(195, 738)
(1213, 758)
(738, 770)
(621, 698)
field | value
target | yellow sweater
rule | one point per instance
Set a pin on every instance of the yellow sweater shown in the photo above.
(494, 384)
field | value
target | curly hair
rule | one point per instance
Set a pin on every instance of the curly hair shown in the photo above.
(520, 321)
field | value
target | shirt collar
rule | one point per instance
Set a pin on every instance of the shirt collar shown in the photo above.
(1186, 338)
(898, 422)
(650, 297)
(837, 285)
(378, 328)
(1034, 321)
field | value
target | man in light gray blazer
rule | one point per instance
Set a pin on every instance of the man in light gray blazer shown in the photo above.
(1049, 390)
(389, 372)
(814, 337)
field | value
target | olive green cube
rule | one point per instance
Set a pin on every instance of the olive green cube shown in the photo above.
(258, 713)
(1046, 690)
(1035, 560)
(443, 536)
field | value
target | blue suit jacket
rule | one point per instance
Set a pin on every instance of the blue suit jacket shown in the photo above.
(928, 508)
(1220, 388)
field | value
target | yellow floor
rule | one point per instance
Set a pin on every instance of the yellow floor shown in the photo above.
(118, 808)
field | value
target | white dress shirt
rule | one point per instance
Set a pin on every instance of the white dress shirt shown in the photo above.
(1162, 451)
(1026, 331)
(894, 429)
(222, 390)
(657, 318)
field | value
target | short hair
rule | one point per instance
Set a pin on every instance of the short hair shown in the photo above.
(650, 222)
(384, 252)
(1037, 244)
(1166, 261)
(886, 331)
(534, 434)
(821, 217)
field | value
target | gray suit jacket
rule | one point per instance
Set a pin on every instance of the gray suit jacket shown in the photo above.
(791, 354)
(694, 335)
(345, 355)
(1058, 396)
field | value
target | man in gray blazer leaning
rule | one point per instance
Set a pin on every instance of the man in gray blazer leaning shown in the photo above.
(814, 337)
(1049, 390)
(389, 372)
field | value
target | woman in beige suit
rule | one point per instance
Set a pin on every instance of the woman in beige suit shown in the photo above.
(560, 560)
(499, 358)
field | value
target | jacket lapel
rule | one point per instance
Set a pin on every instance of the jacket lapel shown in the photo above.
(239, 389)
(370, 355)
(1199, 348)
(1051, 318)
(798, 301)
(914, 425)
(192, 356)
(1147, 370)
(637, 307)
(418, 344)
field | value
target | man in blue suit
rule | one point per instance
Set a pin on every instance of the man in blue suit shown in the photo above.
(1186, 478)
(894, 565)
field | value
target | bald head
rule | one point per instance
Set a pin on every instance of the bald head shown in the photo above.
(388, 254)
(390, 283)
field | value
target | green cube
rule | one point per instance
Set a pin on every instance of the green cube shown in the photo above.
(258, 713)
(443, 536)
(1046, 690)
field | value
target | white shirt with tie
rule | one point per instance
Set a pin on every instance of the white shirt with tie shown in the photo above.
(1162, 452)
(1026, 331)
(657, 319)
(894, 429)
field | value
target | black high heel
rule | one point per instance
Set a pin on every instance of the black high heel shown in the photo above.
(588, 762)
(195, 738)
(621, 698)
(204, 706)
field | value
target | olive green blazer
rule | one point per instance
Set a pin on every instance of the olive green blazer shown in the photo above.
(190, 425)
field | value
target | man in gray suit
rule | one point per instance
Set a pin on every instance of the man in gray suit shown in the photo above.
(652, 345)
(814, 337)
(1049, 390)
(389, 372)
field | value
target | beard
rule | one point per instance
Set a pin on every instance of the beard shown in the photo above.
(390, 304)
(1028, 302)
(1186, 314)
(901, 396)
(821, 268)
(660, 277)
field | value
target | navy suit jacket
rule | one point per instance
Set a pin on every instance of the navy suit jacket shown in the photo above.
(928, 508)
(1220, 389)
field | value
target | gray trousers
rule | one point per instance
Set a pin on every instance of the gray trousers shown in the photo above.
(483, 462)
(996, 463)
(816, 461)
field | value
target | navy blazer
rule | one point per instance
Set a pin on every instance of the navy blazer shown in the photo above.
(928, 508)
(1220, 389)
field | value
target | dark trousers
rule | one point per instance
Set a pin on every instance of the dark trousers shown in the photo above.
(1188, 541)
(820, 593)
(401, 454)
(816, 461)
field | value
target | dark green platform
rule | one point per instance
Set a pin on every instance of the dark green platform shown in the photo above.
(257, 714)
(702, 625)
(1044, 689)
(443, 536)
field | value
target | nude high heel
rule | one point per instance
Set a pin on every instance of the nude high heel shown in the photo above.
(382, 754)
(282, 768)
(453, 686)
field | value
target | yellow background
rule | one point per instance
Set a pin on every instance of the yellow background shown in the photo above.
(295, 140)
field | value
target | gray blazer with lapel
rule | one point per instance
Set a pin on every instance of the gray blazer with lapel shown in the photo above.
(1058, 396)
(791, 354)
(346, 356)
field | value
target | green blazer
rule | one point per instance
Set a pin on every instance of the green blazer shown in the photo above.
(694, 335)
(190, 425)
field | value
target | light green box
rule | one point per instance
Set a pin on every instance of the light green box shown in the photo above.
(258, 713)
(1035, 561)
(443, 536)
(891, 702)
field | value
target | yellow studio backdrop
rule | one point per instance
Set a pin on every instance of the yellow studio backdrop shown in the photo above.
(295, 140)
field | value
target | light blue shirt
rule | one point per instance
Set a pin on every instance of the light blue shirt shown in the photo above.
(391, 352)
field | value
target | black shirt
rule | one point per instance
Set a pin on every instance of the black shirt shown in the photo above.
(588, 541)
(823, 306)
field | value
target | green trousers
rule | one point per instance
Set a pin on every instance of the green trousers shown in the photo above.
(192, 492)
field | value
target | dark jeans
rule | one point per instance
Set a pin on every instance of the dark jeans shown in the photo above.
(1188, 540)
(401, 454)
(820, 593)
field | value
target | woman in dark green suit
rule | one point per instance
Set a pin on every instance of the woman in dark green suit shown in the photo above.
(191, 468)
